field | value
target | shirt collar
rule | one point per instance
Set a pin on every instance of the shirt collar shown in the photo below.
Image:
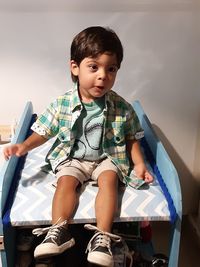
(109, 99)
(75, 99)
(76, 102)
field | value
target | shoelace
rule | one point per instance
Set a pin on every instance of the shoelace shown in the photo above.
(102, 238)
(52, 231)
(128, 255)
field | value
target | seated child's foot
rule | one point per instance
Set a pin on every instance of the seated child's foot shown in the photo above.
(99, 247)
(57, 240)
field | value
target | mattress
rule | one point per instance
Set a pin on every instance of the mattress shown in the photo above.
(31, 203)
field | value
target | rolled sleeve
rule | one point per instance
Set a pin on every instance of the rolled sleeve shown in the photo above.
(133, 127)
(36, 127)
(47, 124)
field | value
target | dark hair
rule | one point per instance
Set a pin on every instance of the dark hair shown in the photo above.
(94, 41)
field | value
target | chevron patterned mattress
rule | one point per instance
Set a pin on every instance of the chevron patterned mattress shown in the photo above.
(33, 197)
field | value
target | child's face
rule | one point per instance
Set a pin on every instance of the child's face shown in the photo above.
(96, 75)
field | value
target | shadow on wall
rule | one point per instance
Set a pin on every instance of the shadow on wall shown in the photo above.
(189, 185)
(197, 155)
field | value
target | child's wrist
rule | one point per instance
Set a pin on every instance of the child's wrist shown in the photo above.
(140, 165)
(25, 147)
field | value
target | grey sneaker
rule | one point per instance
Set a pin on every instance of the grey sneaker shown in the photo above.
(99, 247)
(57, 240)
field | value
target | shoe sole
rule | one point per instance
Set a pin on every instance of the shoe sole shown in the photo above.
(96, 258)
(45, 250)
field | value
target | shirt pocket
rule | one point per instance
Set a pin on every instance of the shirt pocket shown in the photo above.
(116, 136)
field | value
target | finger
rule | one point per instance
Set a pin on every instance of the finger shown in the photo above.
(8, 152)
(6, 155)
(18, 154)
(148, 177)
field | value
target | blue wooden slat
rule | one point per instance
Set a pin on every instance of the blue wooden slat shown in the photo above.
(6, 177)
(170, 178)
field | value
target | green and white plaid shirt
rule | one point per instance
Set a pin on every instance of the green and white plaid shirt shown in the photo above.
(121, 125)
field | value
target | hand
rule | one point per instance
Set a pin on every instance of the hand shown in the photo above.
(15, 149)
(148, 177)
(142, 172)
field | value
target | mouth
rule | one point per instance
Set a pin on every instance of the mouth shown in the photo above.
(100, 87)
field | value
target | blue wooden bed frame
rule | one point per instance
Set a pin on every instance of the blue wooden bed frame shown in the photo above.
(162, 166)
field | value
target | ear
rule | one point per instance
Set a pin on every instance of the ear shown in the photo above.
(74, 68)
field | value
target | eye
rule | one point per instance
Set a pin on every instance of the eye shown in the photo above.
(93, 67)
(113, 69)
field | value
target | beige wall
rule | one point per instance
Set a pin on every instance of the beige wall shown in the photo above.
(161, 67)
(197, 154)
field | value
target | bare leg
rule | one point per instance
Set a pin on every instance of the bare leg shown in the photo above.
(65, 199)
(106, 200)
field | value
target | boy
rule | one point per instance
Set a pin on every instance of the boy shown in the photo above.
(97, 134)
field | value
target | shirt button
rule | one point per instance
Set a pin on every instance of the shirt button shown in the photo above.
(109, 135)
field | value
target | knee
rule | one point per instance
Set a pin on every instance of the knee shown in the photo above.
(67, 183)
(108, 179)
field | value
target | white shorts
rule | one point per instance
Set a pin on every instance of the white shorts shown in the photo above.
(84, 170)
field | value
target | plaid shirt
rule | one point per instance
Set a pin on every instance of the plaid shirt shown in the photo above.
(121, 125)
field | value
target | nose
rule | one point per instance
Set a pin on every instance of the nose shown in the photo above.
(102, 74)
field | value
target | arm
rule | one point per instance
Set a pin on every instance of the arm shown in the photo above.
(21, 149)
(140, 168)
